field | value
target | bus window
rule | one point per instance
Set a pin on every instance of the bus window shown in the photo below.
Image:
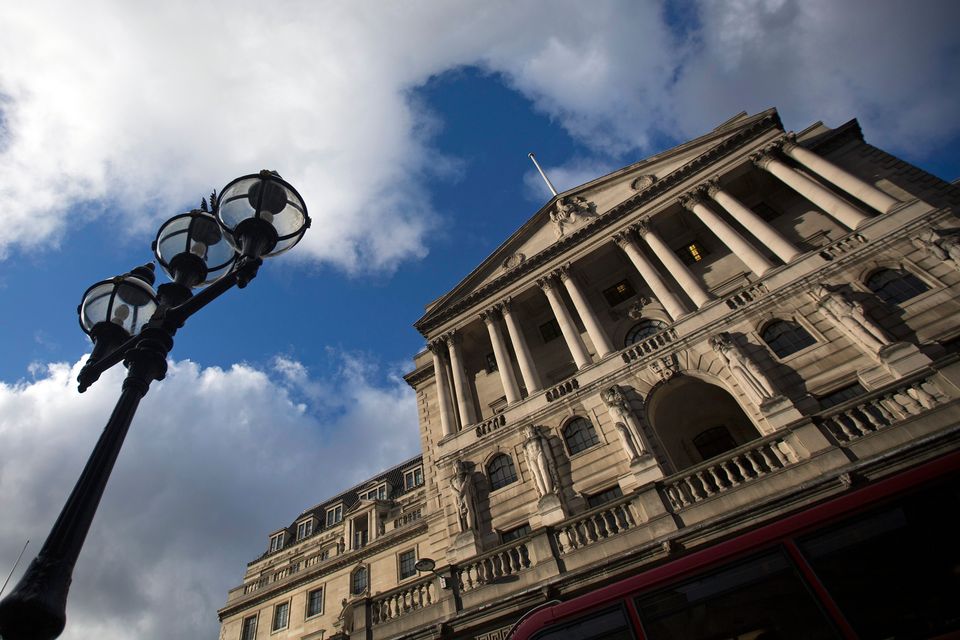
(895, 572)
(761, 598)
(607, 625)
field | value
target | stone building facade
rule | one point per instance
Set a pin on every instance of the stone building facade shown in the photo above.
(706, 340)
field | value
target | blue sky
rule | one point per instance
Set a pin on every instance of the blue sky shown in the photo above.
(407, 131)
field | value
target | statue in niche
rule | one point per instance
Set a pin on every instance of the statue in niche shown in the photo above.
(850, 318)
(624, 421)
(746, 372)
(341, 546)
(941, 247)
(465, 494)
(537, 450)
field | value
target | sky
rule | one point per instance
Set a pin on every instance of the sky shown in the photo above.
(406, 128)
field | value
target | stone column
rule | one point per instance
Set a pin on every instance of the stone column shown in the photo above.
(460, 385)
(863, 191)
(756, 225)
(567, 327)
(673, 264)
(504, 366)
(443, 394)
(531, 378)
(729, 236)
(659, 287)
(590, 321)
(846, 213)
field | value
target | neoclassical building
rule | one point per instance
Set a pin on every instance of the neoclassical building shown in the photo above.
(694, 346)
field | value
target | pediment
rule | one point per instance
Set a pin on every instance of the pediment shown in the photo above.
(568, 211)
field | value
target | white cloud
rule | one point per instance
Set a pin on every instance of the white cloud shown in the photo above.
(214, 460)
(140, 109)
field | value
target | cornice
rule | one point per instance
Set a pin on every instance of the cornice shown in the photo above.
(418, 376)
(434, 319)
(331, 566)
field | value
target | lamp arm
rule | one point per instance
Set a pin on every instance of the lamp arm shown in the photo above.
(92, 371)
(245, 271)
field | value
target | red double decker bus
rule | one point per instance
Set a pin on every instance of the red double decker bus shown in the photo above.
(878, 562)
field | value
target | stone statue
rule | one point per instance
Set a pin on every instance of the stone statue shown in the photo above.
(465, 493)
(748, 375)
(850, 318)
(625, 422)
(344, 621)
(567, 211)
(945, 248)
(537, 450)
(341, 546)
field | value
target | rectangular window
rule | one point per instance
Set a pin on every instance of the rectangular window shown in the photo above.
(249, 630)
(550, 330)
(304, 529)
(407, 561)
(334, 515)
(281, 616)
(620, 292)
(604, 497)
(276, 542)
(839, 396)
(692, 252)
(325, 554)
(413, 478)
(514, 534)
(765, 211)
(314, 602)
(378, 493)
(491, 361)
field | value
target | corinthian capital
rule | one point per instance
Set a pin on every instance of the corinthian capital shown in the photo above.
(713, 187)
(547, 282)
(438, 346)
(505, 306)
(762, 159)
(453, 337)
(642, 227)
(563, 272)
(788, 140)
(623, 238)
(489, 316)
(691, 199)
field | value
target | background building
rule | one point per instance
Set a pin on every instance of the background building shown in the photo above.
(702, 342)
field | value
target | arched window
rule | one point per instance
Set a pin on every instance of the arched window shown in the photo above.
(643, 329)
(579, 435)
(358, 581)
(713, 441)
(501, 472)
(786, 337)
(894, 286)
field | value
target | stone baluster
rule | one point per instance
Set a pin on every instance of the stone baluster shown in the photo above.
(674, 265)
(859, 189)
(567, 327)
(846, 213)
(729, 236)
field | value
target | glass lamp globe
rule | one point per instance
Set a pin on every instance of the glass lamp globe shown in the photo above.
(117, 308)
(262, 214)
(192, 249)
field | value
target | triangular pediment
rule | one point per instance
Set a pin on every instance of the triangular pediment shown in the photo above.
(568, 211)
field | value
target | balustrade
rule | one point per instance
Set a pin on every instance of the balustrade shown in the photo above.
(594, 526)
(501, 563)
(747, 295)
(734, 468)
(567, 386)
(641, 349)
(403, 601)
(491, 424)
(842, 246)
(865, 415)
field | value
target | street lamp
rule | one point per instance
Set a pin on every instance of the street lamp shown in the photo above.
(256, 216)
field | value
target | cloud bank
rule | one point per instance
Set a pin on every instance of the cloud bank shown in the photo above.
(134, 110)
(214, 461)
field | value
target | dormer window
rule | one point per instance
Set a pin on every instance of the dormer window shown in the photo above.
(304, 529)
(413, 478)
(334, 515)
(377, 493)
(276, 541)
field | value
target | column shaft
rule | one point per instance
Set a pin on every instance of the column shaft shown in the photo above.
(504, 366)
(739, 245)
(460, 385)
(443, 394)
(659, 287)
(819, 195)
(756, 225)
(590, 321)
(531, 378)
(676, 268)
(863, 191)
(567, 327)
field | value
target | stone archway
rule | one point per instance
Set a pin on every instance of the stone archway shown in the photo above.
(695, 420)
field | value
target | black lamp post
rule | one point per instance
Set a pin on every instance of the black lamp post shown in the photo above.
(257, 216)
